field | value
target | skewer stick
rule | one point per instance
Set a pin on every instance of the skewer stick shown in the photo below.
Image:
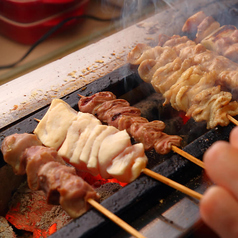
(81, 95)
(188, 156)
(232, 119)
(38, 120)
(115, 218)
(172, 183)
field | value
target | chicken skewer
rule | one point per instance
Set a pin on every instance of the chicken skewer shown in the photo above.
(126, 166)
(47, 171)
(82, 140)
(190, 81)
(221, 39)
(118, 113)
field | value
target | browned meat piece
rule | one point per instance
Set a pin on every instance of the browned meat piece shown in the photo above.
(64, 187)
(148, 67)
(35, 157)
(110, 111)
(13, 147)
(232, 52)
(162, 39)
(49, 176)
(89, 103)
(114, 114)
(164, 144)
(205, 28)
(176, 40)
(147, 133)
(142, 52)
(46, 170)
(220, 39)
(101, 110)
(74, 193)
(190, 26)
(190, 50)
(189, 82)
(128, 118)
(201, 25)
(211, 61)
(125, 122)
(223, 40)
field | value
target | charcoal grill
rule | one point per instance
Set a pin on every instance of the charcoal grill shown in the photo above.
(148, 205)
(134, 201)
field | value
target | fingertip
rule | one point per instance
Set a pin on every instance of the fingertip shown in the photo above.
(219, 209)
(207, 203)
(214, 152)
(234, 137)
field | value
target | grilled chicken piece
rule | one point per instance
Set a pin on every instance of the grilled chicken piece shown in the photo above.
(220, 39)
(142, 52)
(64, 187)
(149, 66)
(206, 27)
(88, 145)
(193, 75)
(36, 157)
(200, 25)
(168, 75)
(13, 148)
(127, 166)
(139, 128)
(59, 115)
(77, 135)
(46, 170)
(89, 103)
(191, 24)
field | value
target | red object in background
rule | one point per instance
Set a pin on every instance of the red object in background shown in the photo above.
(27, 21)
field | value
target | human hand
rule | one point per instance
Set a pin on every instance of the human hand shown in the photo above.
(219, 205)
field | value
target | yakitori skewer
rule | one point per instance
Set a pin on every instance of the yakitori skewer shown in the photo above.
(47, 171)
(128, 169)
(174, 146)
(170, 182)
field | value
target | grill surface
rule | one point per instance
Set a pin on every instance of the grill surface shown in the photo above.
(144, 194)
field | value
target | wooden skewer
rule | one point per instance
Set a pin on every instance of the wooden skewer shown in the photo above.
(81, 95)
(172, 183)
(115, 218)
(232, 119)
(38, 120)
(188, 156)
(192, 158)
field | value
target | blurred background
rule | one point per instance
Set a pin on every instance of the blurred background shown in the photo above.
(35, 33)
